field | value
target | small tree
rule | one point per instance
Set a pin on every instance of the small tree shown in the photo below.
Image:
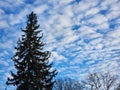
(31, 62)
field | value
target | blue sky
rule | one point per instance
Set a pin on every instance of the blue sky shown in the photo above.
(83, 35)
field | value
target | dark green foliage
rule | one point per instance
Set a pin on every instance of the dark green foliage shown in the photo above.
(32, 63)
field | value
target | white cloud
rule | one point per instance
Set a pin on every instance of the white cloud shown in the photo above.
(40, 9)
(16, 2)
(3, 24)
(98, 19)
(57, 56)
(68, 11)
(92, 11)
(4, 63)
(64, 21)
(4, 53)
(115, 33)
(1, 12)
(103, 26)
(65, 1)
(6, 45)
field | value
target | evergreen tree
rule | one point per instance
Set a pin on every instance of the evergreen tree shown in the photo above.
(34, 71)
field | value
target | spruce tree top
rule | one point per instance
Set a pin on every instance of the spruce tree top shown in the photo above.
(34, 71)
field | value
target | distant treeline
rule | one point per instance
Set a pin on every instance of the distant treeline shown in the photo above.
(94, 81)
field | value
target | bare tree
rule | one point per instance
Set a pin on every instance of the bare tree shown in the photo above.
(58, 84)
(78, 86)
(98, 81)
(118, 87)
(67, 84)
(108, 81)
(93, 82)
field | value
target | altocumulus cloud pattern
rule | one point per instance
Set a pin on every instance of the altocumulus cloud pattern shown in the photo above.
(83, 35)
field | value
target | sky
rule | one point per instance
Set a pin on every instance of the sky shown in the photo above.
(82, 35)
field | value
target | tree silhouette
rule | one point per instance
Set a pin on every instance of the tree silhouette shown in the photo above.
(99, 81)
(67, 84)
(31, 61)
